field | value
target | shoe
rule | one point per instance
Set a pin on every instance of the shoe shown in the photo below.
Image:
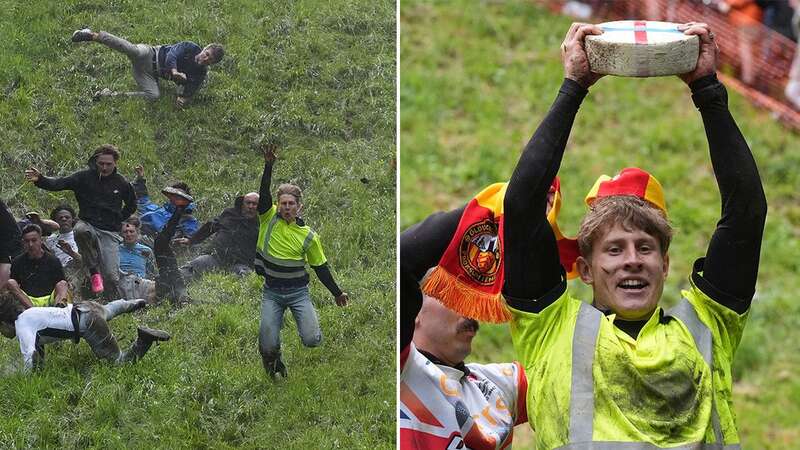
(149, 334)
(281, 368)
(97, 283)
(82, 35)
(138, 304)
(105, 92)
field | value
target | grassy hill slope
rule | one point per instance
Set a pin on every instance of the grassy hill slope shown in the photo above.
(319, 77)
(477, 78)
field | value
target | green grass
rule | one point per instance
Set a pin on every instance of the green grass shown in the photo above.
(319, 77)
(478, 77)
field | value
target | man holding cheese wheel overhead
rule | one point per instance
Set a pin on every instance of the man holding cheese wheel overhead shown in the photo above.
(621, 372)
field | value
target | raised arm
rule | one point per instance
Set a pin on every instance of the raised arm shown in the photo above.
(51, 183)
(532, 267)
(264, 195)
(129, 200)
(730, 267)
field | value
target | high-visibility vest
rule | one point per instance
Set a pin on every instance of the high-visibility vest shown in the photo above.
(284, 248)
(591, 386)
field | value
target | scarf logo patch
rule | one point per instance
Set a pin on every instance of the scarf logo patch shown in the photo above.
(479, 252)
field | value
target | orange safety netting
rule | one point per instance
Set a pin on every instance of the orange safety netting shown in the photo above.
(772, 52)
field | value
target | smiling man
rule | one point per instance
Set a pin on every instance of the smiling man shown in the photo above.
(622, 372)
(184, 63)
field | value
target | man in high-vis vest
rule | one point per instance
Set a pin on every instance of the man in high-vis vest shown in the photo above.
(622, 372)
(285, 245)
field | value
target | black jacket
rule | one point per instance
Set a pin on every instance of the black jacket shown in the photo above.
(100, 199)
(235, 236)
(10, 239)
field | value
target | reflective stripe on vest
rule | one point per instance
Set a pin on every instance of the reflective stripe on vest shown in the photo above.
(581, 408)
(612, 445)
(288, 263)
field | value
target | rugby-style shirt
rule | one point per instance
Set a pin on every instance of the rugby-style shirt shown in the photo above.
(442, 407)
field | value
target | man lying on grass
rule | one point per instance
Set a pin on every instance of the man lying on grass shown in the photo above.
(185, 63)
(622, 372)
(37, 326)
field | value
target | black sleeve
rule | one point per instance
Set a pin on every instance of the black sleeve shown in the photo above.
(531, 261)
(421, 247)
(206, 230)
(59, 183)
(264, 195)
(161, 244)
(324, 274)
(410, 304)
(130, 201)
(57, 268)
(140, 187)
(10, 238)
(730, 267)
(422, 244)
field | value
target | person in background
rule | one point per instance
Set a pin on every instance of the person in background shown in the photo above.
(64, 247)
(105, 199)
(184, 63)
(136, 264)
(233, 246)
(155, 217)
(37, 278)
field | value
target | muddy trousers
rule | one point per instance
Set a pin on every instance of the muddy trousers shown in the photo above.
(93, 326)
(100, 250)
(141, 57)
(170, 283)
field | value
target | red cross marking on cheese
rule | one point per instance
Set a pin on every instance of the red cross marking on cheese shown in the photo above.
(640, 31)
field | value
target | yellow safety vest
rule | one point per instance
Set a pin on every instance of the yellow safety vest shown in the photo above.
(591, 386)
(284, 248)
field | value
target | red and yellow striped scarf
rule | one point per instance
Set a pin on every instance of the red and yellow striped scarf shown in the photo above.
(469, 276)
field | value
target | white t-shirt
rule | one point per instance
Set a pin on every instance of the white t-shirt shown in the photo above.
(52, 243)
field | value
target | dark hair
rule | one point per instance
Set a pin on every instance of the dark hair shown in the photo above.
(133, 220)
(217, 52)
(62, 207)
(30, 228)
(182, 186)
(107, 149)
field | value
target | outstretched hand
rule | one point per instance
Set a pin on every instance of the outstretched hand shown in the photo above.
(709, 52)
(269, 151)
(32, 175)
(573, 54)
(342, 299)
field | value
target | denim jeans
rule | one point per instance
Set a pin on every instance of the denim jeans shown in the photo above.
(273, 305)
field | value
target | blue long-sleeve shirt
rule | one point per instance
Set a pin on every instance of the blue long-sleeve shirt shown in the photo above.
(180, 56)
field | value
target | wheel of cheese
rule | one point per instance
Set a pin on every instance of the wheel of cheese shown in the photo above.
(639, 48)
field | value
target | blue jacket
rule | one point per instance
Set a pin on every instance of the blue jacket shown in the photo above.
(157, 216)
(181, 56)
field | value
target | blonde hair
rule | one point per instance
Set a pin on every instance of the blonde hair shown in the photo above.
(632, 213)
(291, 189)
